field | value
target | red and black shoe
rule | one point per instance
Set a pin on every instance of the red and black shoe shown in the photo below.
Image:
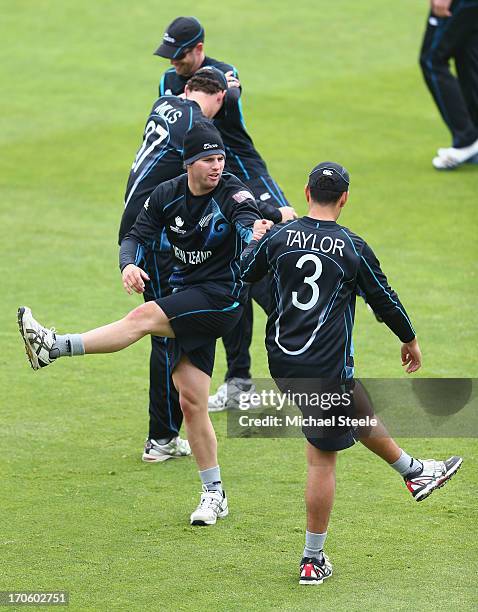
(433, 476)
(313, 571)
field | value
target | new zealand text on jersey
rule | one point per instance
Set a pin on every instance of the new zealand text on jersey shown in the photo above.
(191, 257)
(311, 241)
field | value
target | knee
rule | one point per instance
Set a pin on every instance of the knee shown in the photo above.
(140, 317)
(189, 404)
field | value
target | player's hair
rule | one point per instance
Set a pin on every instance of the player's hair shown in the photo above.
(204, 84)
(321, 191)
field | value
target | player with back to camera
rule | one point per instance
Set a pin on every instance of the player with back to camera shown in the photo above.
(160, 159)
(316, 267)
(183, 45)
(208, 220)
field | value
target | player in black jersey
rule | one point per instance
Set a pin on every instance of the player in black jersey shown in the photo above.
(183, 45)
(316, 266)
(159, 159)
(208, 219)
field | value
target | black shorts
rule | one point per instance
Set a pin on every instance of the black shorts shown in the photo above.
(198, 318)
(336, 402)
(267, 190)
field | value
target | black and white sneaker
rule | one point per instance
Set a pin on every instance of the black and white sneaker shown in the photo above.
(213, 505)
(433, 476)
(38, 339)
(313, 571)
(156, 453)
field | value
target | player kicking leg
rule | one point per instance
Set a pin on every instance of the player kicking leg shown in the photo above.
(319, 267)
(43, 346)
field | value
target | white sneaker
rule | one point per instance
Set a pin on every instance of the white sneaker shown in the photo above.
(232, 395)
(441, 163)
(217, 402)
(433, 476)
(155, 453)
(452, 157)
(38, 339)
(213, 505)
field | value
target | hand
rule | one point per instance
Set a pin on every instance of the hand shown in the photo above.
(288, 213)
(133, 278)
(411, 356)
(441, 8)
(232, 81)
(260, 227)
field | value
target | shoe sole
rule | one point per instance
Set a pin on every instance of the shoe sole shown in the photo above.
(161, 459)
(32, 356)
(441, 482)
(200, 523)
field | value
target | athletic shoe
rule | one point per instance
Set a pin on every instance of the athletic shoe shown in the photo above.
(440, 163)
(38, 339)
(213, 505)
(233, 394)
(451, 157)
(433, 476)
(313, 571)
(217, 402)
(155, 453)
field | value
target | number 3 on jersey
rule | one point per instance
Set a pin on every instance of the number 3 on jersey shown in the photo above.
(309, 280)
(154, 134)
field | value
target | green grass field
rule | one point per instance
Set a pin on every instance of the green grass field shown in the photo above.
(80, 512)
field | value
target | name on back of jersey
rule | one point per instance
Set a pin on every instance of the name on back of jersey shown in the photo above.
(313, 242)
(168, 112)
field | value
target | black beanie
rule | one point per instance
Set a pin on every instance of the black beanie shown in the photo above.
(202, 140)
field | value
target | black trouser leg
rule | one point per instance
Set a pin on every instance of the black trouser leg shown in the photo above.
(444, 39)
(466, 62)
(238, 341)
(165, 416)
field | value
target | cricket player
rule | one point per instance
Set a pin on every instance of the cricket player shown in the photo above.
(208, 220)
(317, 266)
(183, 45)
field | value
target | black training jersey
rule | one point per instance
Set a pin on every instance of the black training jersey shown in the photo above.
(242, 158)
(207, 233)
(159, 158)
(315, 269)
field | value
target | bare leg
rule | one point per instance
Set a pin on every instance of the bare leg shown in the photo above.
(384, 447)
(148, 318)
(320, 490)
(193, 387)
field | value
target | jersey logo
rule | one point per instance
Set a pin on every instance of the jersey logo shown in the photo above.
(265, 196)
(240, 196)
(205, 220)
(176, 228)
(146, 204)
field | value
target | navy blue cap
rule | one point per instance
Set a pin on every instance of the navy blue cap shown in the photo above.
(329, 176)
(183, 33)
(213, 73)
